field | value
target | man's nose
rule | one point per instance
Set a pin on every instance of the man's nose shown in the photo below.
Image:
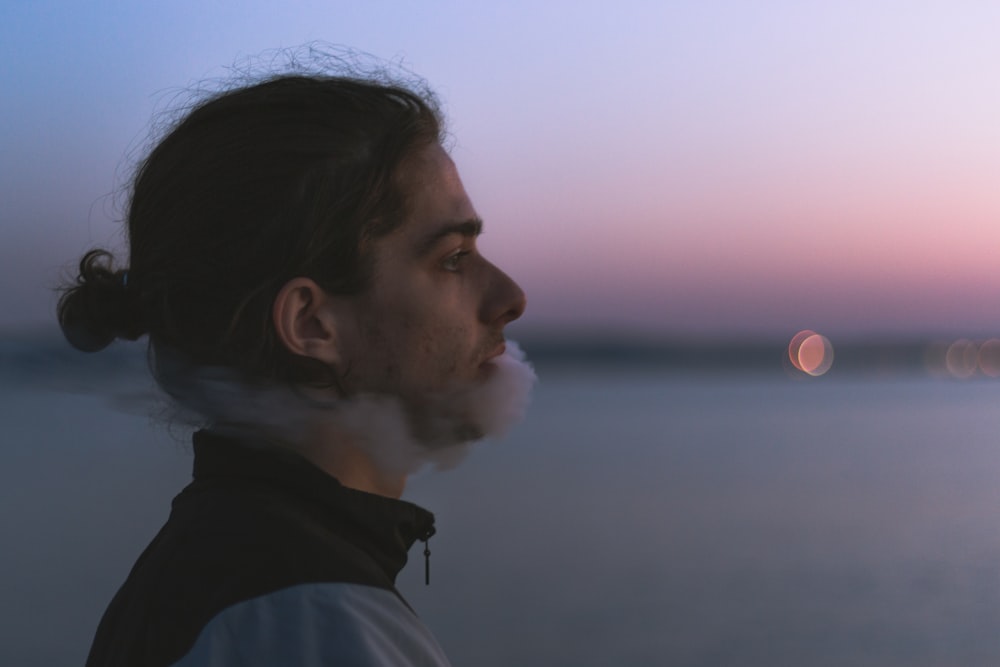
(505, 300)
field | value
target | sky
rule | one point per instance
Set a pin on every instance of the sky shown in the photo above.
(695, 168)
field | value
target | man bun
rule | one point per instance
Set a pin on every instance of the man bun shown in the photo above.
(101, 306)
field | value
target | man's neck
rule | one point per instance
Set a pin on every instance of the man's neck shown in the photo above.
(334, 453)
(352, 466)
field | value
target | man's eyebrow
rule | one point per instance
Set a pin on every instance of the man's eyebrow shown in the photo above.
(471, 228)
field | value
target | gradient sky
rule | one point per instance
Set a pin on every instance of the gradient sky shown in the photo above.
(720, 168)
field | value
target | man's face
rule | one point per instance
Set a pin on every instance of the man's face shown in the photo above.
(433, 315)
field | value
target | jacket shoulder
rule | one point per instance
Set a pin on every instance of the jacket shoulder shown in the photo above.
(317, 624)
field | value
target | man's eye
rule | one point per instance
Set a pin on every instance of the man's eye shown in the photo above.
(453, 262)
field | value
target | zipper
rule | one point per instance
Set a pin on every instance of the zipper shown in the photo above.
(426, 539)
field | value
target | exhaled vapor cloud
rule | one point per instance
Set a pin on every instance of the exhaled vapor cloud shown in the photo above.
(400, 438)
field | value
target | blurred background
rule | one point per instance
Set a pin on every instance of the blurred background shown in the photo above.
(759, 243)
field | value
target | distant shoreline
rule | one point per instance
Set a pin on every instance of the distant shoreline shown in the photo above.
(23, 355)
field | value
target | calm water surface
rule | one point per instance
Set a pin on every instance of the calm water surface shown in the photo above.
(633, 519)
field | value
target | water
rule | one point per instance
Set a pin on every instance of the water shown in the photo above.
(634, 519)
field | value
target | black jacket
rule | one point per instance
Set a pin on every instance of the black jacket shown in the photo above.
(268, 560)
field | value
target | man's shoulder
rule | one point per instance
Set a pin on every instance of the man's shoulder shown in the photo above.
(222, 548)
(317, 624)
(253, 541)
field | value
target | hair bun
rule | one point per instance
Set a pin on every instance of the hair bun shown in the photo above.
(101, 306)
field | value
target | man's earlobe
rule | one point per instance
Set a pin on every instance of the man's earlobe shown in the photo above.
(304, 320)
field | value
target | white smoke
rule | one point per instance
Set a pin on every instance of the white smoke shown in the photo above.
(399, 438)
(449, 422)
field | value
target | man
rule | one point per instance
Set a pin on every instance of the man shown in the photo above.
(304, 260)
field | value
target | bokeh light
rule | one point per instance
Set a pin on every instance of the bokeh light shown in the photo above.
(988, 358)
(810, 352)
(962, 358)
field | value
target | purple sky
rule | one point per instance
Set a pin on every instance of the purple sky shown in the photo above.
(717, 168)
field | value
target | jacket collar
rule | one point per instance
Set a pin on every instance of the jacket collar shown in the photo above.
(384, 527)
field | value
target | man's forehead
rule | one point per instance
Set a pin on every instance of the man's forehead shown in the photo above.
(430, 162)
(437, 196)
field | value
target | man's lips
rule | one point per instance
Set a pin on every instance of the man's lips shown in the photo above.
(497, 351)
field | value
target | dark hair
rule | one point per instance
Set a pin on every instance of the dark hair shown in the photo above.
(293, 176)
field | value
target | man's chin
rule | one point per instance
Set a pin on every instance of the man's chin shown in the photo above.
(437, 428)
(486, 371)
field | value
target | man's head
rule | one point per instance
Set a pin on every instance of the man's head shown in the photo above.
(294, 176)
(307, 232)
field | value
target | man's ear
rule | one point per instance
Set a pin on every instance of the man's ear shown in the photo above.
(304, 320)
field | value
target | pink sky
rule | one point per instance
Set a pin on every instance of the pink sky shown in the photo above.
(691, 168)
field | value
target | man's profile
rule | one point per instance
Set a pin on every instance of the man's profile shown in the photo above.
(303, 259)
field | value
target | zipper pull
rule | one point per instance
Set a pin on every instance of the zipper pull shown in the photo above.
(427, 561)
(426, 539)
